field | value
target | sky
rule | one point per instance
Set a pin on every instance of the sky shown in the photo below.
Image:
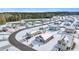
(39, 9)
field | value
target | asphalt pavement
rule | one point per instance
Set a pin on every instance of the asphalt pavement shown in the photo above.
(18, 44)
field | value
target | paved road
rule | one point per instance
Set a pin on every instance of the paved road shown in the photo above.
(18, 44)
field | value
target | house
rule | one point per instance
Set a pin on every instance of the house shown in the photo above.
(27, 36)
(70, 41)
(65, 44)
(54, 27)
(57, 22)
(76, 25)
(33, 33)
(42, 39)
(70, 29)
(67, 24)
(3, 27)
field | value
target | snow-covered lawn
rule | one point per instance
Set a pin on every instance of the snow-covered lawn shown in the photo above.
(47, 46)
(11, 49)
(19, 36)
(4, 43)
(50, 44)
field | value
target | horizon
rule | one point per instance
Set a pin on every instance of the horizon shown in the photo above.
(39, 10)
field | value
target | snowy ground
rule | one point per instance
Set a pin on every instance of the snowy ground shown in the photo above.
(46, 47)
(50, 45)
(11, 49)
(6, 46)
(3, 43)
(19, 36)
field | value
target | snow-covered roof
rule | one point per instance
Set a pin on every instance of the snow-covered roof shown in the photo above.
(52, 25)
(46, 35)
(70, 40)
(34, 31)
(2, 25)
(69, 27)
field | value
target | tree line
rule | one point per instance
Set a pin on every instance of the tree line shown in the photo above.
(16, 16)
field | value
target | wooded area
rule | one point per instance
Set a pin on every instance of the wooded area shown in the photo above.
(16, 16)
